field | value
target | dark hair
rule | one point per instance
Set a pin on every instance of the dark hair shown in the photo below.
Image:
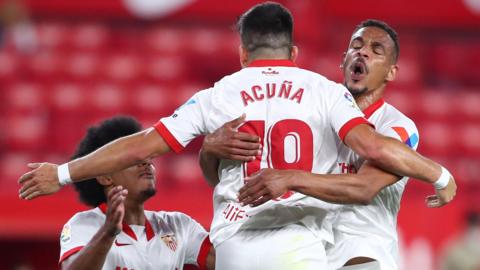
(385, 27)
(268, 25)
(90, 191)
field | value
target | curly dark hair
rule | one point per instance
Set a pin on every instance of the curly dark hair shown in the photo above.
(385, 27)
(268, 26)
(90, 191)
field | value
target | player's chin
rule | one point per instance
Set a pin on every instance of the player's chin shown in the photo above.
(148, 193)
(356, 87)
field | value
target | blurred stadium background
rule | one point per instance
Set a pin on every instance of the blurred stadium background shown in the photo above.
(65, 65)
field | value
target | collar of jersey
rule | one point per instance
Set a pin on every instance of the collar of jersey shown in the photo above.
(373, 108)
(126, 228)
(272, 63)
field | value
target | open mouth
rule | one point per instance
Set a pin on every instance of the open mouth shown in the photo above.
(358, 71)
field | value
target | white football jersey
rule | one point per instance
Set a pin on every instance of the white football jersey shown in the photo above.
(371, 230)
(167, 241)
(298, 114)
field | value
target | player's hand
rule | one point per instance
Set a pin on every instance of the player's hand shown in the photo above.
(115, 211)
(265, 185)
(227, 143)
(442, 196)
(42, 180)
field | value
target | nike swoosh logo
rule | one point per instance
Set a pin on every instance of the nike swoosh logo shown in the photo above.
(121, 244)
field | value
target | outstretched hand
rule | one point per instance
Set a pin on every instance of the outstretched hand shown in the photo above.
(442, 196)
(41, 180)
(228, 143)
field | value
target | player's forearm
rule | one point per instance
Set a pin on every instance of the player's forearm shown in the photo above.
(93, 255)
(209, 165)
(397, 158)
(391, 154)
(117, 155)
(336, 188)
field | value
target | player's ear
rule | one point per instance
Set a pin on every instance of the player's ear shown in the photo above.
(294, 53)
(343, 60)
(105, 180)
(392, 73)
(243, 54)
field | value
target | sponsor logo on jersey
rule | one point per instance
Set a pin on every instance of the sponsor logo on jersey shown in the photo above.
(410, 140)
(121, 244)
(66, 235)
(270, 72)
(170, 241)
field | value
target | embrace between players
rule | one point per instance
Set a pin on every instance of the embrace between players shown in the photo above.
(309, 177)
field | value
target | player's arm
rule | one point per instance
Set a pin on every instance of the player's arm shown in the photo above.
(359, 188)
(394, 156)
(117, 155)
(93, 255)
(227, 143)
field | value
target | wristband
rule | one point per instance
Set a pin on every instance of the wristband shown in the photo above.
(443, 180)
(64, 175)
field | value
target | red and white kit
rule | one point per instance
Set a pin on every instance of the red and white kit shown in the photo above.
(167, 241)
(298, 114)
(371, 231)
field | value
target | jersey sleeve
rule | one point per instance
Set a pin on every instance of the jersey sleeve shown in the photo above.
(197, 242)
(187, 122)
(404, 131)
(344, 113)
(76, 234)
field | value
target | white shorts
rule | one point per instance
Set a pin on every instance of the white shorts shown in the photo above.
(363, 266)
(348, 247)
(290, 247)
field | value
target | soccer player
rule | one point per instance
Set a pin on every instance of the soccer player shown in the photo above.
(118, 233)
(282, 103)
(365, 236)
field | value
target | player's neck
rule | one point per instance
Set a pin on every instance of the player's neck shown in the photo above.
(365, 100)
(134, 213)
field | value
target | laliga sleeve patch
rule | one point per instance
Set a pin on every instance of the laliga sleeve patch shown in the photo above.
(66, 235)
(351, 100)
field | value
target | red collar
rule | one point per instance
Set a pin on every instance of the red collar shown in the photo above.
(126, 228)
(373, 108)
(272, 63)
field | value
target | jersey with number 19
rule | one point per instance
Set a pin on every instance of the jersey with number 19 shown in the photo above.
(298, 114)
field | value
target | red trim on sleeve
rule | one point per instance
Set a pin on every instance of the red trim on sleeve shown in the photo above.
(272, 63)
(203, 253)
(168, 137)
(373, 108)
(69, 253)
(351, 124)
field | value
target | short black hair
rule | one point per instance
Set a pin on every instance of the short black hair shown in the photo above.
(90, 191)
(268, 25)
(385, 27)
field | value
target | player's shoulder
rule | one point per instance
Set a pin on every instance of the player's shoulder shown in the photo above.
(171, 216)
(318, 78)
(394, 117)
(88, 216)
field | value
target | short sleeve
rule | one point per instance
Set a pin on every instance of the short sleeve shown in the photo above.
(197, 242)
(344, 113)
(76, 234)
(187, 122)
(405, 132)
